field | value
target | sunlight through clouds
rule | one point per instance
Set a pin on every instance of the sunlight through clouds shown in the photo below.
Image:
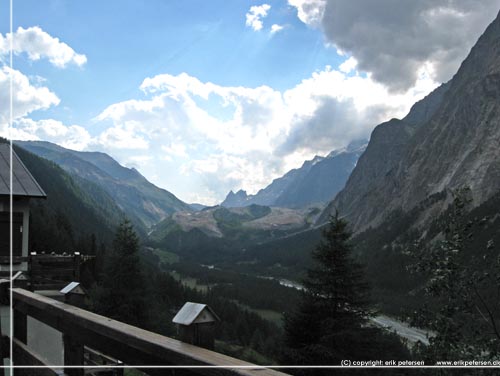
(252, 114)
(267, 132)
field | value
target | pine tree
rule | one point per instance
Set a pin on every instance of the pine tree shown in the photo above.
(331, 322)
(334, 308)
(120, 294)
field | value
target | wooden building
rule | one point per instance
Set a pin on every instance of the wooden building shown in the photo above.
(195, 324)
(24, 187)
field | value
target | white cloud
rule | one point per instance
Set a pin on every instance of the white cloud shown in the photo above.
(349, 65)
(138, 161)
(122, 137)
(394, 40)
(72, 137)
(255, 15)
(174, 149)
(38, 44)
(276, 28)
(263, 133)
(26, 97)
(309, 12)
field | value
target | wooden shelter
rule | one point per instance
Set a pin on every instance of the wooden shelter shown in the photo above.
(74, 294)
(24, 187)
(195, 324)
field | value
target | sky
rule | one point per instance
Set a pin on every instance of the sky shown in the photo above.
(207, 96)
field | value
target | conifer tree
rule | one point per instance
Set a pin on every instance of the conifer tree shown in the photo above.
(331, 322)
(325, 328)
(120, 294)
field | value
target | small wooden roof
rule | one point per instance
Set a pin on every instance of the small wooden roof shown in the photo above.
(195, 313)
(73, 287)
(23, 183)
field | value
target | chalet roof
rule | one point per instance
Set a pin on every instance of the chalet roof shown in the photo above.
(190, 312)
(23, 183)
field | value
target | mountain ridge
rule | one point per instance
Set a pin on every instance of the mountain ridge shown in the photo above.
(145, 203)
(314, 183)
(454, 145)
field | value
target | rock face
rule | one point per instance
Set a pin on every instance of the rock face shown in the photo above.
(449, 140)
(316, 182)
(135, 195)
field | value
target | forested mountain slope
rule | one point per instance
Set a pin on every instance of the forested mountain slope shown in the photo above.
(142, 201)
(76, 216)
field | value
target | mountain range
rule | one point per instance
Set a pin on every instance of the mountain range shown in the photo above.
(401, 182)
(316, 182)
(143, 202)
(76, 215)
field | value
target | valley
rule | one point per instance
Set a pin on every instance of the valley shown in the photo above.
(387, 247)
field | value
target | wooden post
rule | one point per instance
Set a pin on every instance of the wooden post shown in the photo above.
(73, 352)
(119, 371)
(77, 261)
(4, 299)
(73, 356)
(20, 326)
(4, 291)
(20, 334)
(30, 270)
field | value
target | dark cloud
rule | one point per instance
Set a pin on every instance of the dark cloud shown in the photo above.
(333, 125)
(393, 38)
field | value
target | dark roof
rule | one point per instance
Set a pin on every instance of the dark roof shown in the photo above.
(23, 183)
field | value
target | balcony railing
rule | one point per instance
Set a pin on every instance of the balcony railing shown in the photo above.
(131, 345)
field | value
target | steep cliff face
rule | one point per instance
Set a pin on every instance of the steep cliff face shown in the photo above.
(450, 139)
(460, 145)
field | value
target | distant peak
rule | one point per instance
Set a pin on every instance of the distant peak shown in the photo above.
(317, 159)
(239, 194)
(311, 162)
(336, 152)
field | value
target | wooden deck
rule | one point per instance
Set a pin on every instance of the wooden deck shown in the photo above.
(129, 344)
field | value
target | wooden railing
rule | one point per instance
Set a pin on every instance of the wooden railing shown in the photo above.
(49, 271)
(53, 272)
(129, 344)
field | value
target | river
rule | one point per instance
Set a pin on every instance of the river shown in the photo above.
(401, 328)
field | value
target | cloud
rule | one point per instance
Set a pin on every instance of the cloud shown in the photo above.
(122, 137)
(333, 124)
(275, 28)
(349, 65)
(334, 107)
(222, 172)
(225, 137)
(255, 15)
(26, 97)
(72, 137)
(38, 44)
(309, 12)
(174, 149)
(138, 161)
(394, 40)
